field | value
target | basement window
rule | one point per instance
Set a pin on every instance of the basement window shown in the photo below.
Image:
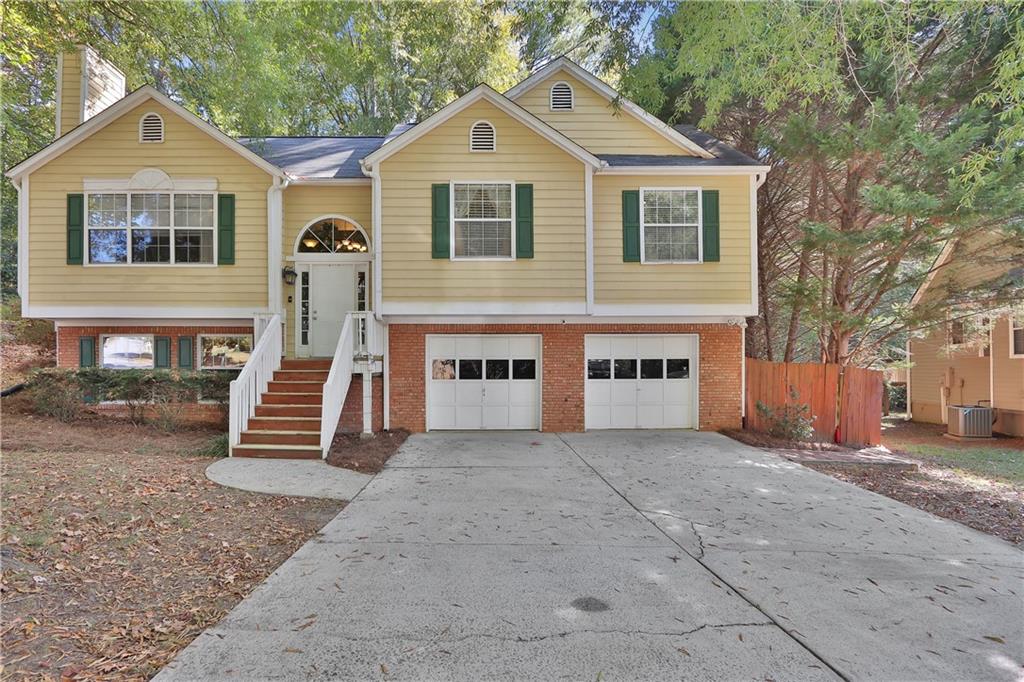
(224, 351)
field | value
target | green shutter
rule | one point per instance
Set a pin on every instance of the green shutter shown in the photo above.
(524, 221)
(710, 210)
(631, 225)
(162, 352)
(86, 351)
(76, 228)
(186, 352)
(226, 229)
(440, 242)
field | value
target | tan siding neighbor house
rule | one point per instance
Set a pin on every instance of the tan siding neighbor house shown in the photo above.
(548, 258)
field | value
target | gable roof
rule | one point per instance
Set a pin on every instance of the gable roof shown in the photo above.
(609, 93)
(315, 158)
(488, 94)
(122, 106)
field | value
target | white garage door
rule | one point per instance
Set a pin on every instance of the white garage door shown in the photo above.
(483, 382)
(641, 381)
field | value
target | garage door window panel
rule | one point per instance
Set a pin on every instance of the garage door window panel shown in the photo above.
(625, 369)
(652, 369)
(599, 369)
(670, 225)
(470, 370)
(677, 368)
(497, 370)
(443, 370)
(524, 370)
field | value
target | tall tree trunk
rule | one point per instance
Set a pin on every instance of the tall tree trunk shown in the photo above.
(802, 272)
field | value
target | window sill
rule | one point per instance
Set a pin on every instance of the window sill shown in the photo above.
(482, 258)
(671, 262)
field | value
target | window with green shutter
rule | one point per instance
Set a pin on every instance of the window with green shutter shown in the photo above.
(524, 221)
(75, 228)
(631, 226)
(162, 352)
(226, 229)
(86, 351)
(440, 212)
(709, 209)
(186, 352)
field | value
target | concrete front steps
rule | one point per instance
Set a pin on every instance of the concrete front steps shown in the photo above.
(287, 420)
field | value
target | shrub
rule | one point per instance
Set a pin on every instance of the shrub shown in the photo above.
(56, 393)
(897, 397)
(215, 447)
(792, 421)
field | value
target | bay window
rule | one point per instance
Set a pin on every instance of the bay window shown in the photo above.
(482, 220)
(150, 228)
(670, 225)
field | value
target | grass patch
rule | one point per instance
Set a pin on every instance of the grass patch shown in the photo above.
(214, 447)
(998, 463)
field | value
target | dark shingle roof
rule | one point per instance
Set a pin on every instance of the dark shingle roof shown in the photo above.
(315, 157)
(724, 154)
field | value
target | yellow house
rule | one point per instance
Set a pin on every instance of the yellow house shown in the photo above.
(952, 366)
(548, 258)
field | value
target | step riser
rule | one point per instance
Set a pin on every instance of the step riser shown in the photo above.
(286, 399)
(306, 364)
(273, 424)
(254, 437)
(287, 411)
(286, 375)
(241, 451)
(296, 387)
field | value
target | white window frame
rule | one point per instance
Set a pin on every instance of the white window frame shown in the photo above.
(700, 226)
(451, 220)
(199, 350)
(163, 129)
(963, 332)
(551, 97)
(1018, 323)
(87, 262)
(494, 131)
(99, 352)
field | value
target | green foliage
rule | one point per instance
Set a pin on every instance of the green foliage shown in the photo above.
(62, 392)
(897, 397)
(215, 447)
(792, 421)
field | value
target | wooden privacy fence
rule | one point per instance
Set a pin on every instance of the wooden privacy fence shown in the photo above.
(846, 403)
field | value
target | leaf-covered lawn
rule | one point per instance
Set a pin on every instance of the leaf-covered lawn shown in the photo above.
(999, 459)
(117, 551)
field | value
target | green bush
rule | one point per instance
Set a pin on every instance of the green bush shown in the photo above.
(215, 447)
(897, 397)
(62, 392)
(792, 421)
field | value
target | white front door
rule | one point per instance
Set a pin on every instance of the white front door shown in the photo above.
(483, 382)
(641, 381)
(332, 294)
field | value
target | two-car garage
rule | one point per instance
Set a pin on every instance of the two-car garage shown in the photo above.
(630, 381)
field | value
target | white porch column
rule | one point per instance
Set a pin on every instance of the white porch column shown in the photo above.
(368, 400)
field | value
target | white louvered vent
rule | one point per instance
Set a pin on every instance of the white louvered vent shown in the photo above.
(481, 137)
(561, 97)
(151, 128)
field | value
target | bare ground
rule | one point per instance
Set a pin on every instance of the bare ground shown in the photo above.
(117, 551)
(366, 455)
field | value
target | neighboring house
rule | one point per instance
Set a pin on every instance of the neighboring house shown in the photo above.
(549, 258)
(952, 366)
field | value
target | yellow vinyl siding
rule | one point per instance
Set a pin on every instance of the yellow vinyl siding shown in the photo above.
(70, 91)
(942, 374)
(1007, 372)
(725, 282)
(115, 153)
(595, 123)
(557, 272)
(302, 205)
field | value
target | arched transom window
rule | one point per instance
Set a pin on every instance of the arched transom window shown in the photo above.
(333, 235)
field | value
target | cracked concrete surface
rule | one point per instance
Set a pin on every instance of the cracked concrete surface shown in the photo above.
(462, 560)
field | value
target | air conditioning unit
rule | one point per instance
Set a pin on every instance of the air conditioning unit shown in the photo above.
(969, 421)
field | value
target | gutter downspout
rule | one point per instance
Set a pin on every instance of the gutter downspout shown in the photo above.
(910, 413)
(378, 282)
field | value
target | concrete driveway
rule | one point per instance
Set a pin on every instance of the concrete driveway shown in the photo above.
(623, 556)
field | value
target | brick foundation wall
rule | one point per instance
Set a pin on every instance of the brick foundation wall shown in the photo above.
(67, 338)
(562, 409)
(352, 412)
(206, 414)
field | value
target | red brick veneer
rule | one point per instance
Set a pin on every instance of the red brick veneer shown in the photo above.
(352, 412)
(562, 367)
(67, 338)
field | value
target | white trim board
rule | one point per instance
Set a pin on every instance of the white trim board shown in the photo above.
(486, 93)
(119, 108)
(158, 322)
(609, 93)
(560, 320)
(683, 170)
(455, 308)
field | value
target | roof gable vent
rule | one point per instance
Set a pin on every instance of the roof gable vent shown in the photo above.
(561, 97)
(151, 128)
(481, 137)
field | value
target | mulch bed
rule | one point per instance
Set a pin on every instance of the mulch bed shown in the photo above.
(991, 507)
(769, 442)
(365, 455)
(117, 551)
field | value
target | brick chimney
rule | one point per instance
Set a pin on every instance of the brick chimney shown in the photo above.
(86, 85)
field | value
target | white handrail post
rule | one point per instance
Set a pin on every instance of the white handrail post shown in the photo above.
(255, 377)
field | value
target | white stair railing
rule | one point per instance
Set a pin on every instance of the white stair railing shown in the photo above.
(369, 337)
(251, 382)
(336, 387)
